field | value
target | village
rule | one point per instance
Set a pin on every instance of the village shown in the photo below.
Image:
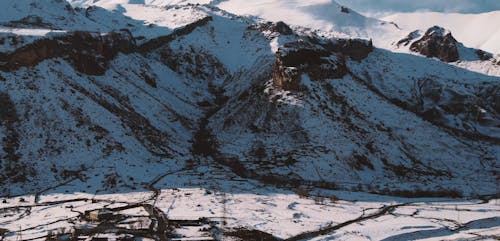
(103, 220)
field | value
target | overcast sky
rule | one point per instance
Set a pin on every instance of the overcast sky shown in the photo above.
(384, 7)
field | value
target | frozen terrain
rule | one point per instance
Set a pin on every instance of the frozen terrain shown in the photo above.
(238, 120)
(202, 214)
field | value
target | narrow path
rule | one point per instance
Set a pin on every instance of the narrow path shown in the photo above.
(329, 229)
(39, 193)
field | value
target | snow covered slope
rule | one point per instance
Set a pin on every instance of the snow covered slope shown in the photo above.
(208, 88)
(159, 3)
(324, 15)
(481, 31)
(317, 14)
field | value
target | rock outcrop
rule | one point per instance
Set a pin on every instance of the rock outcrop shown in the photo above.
(318, 60)
(409, 38)
(298, 58)
(29, 22)
(356, 49)
(482, 55)
(282, 28)
(439, 43)
(277, 27)
(476, 111)
(88, 52)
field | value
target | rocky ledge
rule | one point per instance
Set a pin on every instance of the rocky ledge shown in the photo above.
(88, 52)
(475, 115)
(437, 42)
(318, 59)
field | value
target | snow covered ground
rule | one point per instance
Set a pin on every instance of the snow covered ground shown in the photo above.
(283, 214)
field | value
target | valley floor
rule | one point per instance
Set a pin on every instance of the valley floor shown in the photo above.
(261, 214)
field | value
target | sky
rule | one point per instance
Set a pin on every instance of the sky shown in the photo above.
(385, 7)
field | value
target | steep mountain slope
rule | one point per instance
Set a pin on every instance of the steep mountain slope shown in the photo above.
(371, 125)
(208, 89)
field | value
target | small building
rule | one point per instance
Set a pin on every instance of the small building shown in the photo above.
(99, 214)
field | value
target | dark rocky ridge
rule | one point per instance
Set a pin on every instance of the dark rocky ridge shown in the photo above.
(319, 60)
(440, 43)
(87, 52)
(409, 38)
(437, 42)
(28, 21)
(278, 27)
(439, 104)
(483, 55)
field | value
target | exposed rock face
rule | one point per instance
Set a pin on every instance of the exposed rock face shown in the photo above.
(298, 58)
(285, 77)
(442, 105)
(282, 28)
(482, 55)
(88, 52)
(91, 53)
(408, 39)
(437, 42)
(356, 49)
(278, 27)
(319, 60)
(29, 21)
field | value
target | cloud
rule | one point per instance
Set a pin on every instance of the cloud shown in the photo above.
(380, 7)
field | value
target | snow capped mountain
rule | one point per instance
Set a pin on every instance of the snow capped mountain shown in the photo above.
(318, 14)
(238, 120)
(159, 3)
(324, 15)
(481, 31)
